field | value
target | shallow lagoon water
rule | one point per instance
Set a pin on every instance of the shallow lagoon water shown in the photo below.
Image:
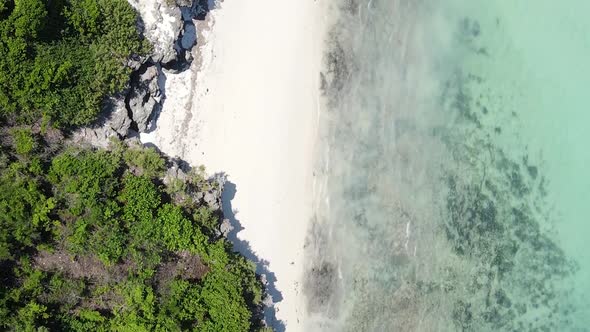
(451, 190)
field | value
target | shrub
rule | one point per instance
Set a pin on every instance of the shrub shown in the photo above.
(59, 59)
(115, 253)
(24, 141)
(145, 161)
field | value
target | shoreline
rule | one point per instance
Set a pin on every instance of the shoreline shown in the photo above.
(250, 108)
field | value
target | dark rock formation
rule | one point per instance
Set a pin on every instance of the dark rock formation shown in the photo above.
(115, 123)
(198, 187)
(145, 96)
(172, 50)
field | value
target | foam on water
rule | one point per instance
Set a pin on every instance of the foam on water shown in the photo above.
(452, 169)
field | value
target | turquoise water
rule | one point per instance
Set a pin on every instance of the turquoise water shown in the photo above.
(453, 191)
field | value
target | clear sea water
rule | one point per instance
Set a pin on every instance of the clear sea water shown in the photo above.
(453, 178)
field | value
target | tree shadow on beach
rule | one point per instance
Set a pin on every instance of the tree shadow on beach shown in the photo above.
(243, 247)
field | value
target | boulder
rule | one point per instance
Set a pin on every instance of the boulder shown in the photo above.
(118, 120)
(211, 200)
(189, 36)
(174, 172)
(142, 105)
(213, 197)
(145, 96)
(161, 23)
(225, 227)
(114, 123)
(96, 137)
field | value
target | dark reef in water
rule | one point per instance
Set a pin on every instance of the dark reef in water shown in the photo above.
(495, 223)
(433, 225)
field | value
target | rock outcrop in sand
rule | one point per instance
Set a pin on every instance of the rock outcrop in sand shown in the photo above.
(171, 29)
(145, 96)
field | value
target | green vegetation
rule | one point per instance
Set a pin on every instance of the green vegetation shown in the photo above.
(24, 141)
(60, 58)
(96, 240)
(92, 242)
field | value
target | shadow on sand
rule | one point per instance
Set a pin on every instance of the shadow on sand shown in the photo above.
(243, 247)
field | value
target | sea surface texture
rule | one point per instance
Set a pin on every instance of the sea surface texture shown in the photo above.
(452, 183)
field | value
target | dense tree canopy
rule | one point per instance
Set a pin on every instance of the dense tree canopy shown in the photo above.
(60, 58)
(93, 240)
(96, 240)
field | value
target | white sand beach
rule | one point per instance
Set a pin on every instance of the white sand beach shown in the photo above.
(249, 107)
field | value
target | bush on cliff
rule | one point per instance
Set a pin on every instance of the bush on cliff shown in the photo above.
(60, 58)
(88, 244)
